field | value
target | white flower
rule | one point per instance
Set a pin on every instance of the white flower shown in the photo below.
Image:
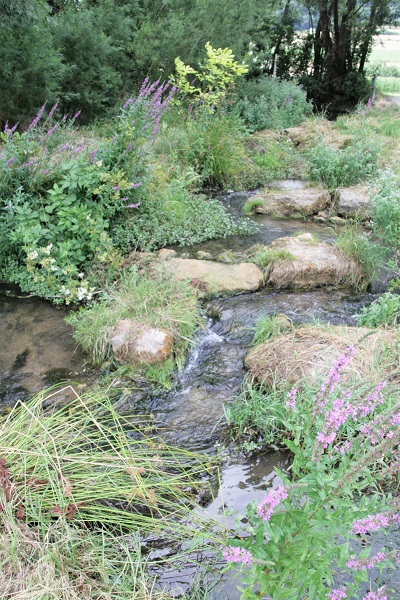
(99, 163)
(32, 255)
(53, 268)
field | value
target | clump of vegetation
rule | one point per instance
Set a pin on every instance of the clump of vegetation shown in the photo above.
(266, 257)
(271, 103)
(269, 326)
(78, 486)
(343, 441)
(344, 166)
(355, 243)
(385, 310)
(148, 297)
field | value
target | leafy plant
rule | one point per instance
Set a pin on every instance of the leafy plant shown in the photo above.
(352, 241)
(385, 310)
(271, 103)
(343, 167)
(343, 442)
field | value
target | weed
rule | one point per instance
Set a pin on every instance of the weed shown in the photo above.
(269, 326)
(383, 311)
(251, 204)
(353, 242)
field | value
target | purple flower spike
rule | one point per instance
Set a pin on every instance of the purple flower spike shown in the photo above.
(124, 199)
(14, 128)
(53, 110)
(271, 500)
(136, 185)
(76, 115)
(134, 205)
(337, 594)
(37, 118)
(10, 161)
(50, 131)
(127, 103)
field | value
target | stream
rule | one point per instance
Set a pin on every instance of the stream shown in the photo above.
(37, 351)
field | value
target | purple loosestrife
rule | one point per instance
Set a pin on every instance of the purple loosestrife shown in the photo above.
(37, 118)
(291, 399)
(136, 185)
(329, 384)
(362, 564)
(52, 130)
(134, 205)
(370, 523)
(337, 594)
(10, 161)
(235, 554)
(53, 110)
(271, 501)
(76, 115)
(372, 596)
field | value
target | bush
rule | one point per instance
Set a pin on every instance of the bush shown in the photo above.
(271, 103)
(345, 166)
(59, 199)
(383, 311)
(385, 207)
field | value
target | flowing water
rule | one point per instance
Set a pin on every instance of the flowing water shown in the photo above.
(37, 350)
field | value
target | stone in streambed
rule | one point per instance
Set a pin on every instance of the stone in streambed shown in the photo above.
(137, 343)
(291, 202)
(352, 202)
(303, 263)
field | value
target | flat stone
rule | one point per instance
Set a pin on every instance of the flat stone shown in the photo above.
(308, 264)
(286, 203)
(338, 221)
(213, 277)
(137, 343)
(352, 202)
(201, 255)
(166, 254)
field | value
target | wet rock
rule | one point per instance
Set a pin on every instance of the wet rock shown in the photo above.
(288, 203)
(338, 221)
(166, 254)
(217, 277)
(135, 343)
(287, 184)
(352, 202)
(303, 263)
(201, 255)
(227, 257)
(306, 353)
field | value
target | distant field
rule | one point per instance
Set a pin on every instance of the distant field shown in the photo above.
(387, 48)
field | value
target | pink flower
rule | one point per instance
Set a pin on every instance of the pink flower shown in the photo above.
(371, 523)
(336, 594)
(271, 500)
(236, 554)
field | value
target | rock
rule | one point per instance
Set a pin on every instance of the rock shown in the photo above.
(306, 201)
(319, 219)
(166, 254)
(351, 202)
(302, 262)
(201, 255)
(217, 277)
(227, 257)
(287, 184)
(308, 352)
(338, 221)
(139, 343)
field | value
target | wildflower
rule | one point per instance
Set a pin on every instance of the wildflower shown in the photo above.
(76, 115)
(271, 500)
(134, 205)
(291, 399)
(136, 185)
(336, 594)
(53, 110)
(365, 563)
(10, 161)
(371, 523)
(37, 118)
(50, 131)
(32, 255)
(45, 171)
(373, 596)
(127, 103)
(235, 554)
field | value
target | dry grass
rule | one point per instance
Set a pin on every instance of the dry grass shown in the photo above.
(307, 352)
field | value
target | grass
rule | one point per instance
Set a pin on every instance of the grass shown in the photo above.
(353, 242)
(266, 257)
(78, 487)
(157, 300)
(389, 85)
(270, 326)
(251, 205)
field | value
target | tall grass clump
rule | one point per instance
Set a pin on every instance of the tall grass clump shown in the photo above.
(302, 540)
(271, 103)
(80, 490)
(385, 310)
(385, 208)
(353, 242)
(158, 301)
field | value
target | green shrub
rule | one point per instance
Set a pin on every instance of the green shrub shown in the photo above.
(342, 167)
(271, 103)
(385, 207)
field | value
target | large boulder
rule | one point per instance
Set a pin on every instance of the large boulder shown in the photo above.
(291, 202)
(308, 352)
(214, 278)
(352, 202)
(137, 343)
(303, 263)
